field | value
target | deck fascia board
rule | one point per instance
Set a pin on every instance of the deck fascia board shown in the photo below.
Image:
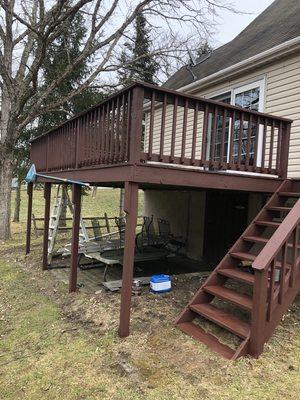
(164, 176)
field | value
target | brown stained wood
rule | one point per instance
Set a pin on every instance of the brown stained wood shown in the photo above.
(213, 136)
(151, 126)
(279, 140)
(131, 209)
(184, 127)
(223, 293)
(174, 127)
(204, 133)
(60, 152)
(162, 128)
(271, 290)
(248, 142)
(264, 142)
(258, 316)
(47, 197)
(257, 130)
(112, 132)
(237, 274)
(295, 247)
(76, 200)
(117, 134)
(29, 216)
(223, 319)
(283, 273)
(223, 137)
(271, 146)
(208, 339)
(194, 138)
(231, 140)
(136, 120)
(240, 140)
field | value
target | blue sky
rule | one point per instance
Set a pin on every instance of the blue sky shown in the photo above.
(230, 25)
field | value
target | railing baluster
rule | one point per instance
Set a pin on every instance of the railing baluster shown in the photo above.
(240, 140)
(257, 129)
(123, 132)
(112, 130)
(183, 139)
(294, 257)
(126, 147)
(117, 139)
(271, 147)
(231, 139)
(151, 126)
(204, 134)
(162, 128)
(194, 139)
(282, 273)
(271, 290)
(263, 154)
(279, 140)
(221, 164)
(213, 137)
(174, 126)
(248, 147)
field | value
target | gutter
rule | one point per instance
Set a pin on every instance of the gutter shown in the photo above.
(251, 62)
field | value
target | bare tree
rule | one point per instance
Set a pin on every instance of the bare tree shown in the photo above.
(28, 27)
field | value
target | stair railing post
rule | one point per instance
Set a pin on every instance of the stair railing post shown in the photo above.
(259, 312)
(284, 151)
(76, 200)
(136, 126)
(47, 197)
(29, 216)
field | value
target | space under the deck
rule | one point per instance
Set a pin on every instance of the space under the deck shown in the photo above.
(90, 275)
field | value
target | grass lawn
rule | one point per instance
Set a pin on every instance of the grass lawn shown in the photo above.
(59, 346)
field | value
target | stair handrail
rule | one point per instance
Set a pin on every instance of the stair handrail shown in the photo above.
(278, 239)
(271, 298)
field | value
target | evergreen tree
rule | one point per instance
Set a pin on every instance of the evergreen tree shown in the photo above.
(136, 59)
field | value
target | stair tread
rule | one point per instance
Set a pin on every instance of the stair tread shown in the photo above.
(237, 274)
(206, 338)
(222, 292)
(243, 256)
(222, 318)
(289, 194)
(251, 257)
(268, 223)
(255, 239)
(279, 208)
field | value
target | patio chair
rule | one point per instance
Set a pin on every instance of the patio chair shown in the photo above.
(166, 236)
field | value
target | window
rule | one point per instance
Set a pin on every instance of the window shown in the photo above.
(249, 97)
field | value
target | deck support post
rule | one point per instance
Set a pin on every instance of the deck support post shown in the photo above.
(47, 197)
(76, 200)
(131, 210)
(29, 216)
(259, 312)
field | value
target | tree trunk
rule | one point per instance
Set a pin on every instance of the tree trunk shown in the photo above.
(6, 172)
(17, 202)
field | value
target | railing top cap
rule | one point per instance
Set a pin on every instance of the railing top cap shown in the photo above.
(168, 92)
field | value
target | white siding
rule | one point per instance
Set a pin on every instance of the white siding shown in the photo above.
(282, 98)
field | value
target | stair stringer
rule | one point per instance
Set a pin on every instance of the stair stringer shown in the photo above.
(227, 262)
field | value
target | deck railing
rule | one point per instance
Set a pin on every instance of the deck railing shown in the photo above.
(276, 272)
(144, 123)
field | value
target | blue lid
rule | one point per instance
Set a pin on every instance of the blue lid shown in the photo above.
(160, 278)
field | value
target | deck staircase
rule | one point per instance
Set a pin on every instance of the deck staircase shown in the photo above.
(245, 297)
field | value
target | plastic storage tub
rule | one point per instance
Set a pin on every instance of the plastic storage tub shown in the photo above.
(160, 283)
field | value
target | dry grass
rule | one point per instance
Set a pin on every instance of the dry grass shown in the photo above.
(59, 346)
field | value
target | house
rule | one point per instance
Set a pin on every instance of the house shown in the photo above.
(216, 150)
